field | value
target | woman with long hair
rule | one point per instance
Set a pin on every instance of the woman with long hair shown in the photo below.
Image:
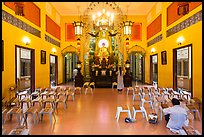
(120, 83)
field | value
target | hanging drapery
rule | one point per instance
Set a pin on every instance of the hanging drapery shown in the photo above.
(70, 32)
(137, 32)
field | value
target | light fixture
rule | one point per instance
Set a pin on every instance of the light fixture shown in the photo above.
(127, 64)
(104, 16)
(127, 42)
(78, 42)
(127, 25)
(78, 45)
(19, 8)
(26, 40)
(78, 66)
(103, 19)
(180, 40)
(78, 25)
(153, 50)
(54, 50)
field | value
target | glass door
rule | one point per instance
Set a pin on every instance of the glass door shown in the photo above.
(53, 70)
(25, 68)
(183, 68)
(154, 68)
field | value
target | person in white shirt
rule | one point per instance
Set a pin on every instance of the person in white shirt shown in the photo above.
(75, 71)
(177, 116)
(120, 83)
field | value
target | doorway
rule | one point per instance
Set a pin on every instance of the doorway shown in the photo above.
(154, 68)
(53, 70)
(182, 68)
(136, 66)
(70, 65)
(25, 68)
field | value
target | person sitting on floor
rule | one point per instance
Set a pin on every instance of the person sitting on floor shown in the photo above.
(175, 116)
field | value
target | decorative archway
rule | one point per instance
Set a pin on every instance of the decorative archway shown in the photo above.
(70, 48)
(138, 49)
(137, 62)
(70, 56)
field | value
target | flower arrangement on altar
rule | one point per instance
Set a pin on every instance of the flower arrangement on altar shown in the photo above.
(110, 66)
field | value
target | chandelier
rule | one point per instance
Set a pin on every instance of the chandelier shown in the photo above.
(103, 16)
(103, 19)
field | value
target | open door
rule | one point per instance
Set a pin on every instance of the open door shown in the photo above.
(53, 70)
(25, 68)
(154, 68)
(182, 68)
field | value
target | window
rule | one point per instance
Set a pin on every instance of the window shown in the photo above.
(179, 67)
(25, 67)
(185, 68)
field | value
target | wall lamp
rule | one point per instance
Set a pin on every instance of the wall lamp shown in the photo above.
(26, 40)
(153, 50)
(54, 50)
(180, 40)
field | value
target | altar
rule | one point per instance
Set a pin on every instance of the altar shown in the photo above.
(103, 78)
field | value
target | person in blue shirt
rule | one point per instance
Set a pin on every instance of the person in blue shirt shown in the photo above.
(176, 116)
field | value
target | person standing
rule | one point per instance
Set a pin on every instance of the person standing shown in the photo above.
(75, 71)
(120, 83)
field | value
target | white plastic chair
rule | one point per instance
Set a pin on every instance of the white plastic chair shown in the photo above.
(139, 108)
(120, 109)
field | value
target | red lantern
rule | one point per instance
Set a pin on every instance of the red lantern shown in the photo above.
(127, 43)
(78, 44)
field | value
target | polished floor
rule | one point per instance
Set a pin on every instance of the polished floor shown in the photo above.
(94, 114)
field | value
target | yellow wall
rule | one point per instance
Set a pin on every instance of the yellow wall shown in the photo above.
(192, 35)
(13, 36)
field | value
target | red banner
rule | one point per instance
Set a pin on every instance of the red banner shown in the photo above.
(137, 32)
(69, 32)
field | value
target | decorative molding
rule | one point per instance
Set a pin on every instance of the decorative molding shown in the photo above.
(155, 40)
(51, 40)
(185, 24)
(20, 24)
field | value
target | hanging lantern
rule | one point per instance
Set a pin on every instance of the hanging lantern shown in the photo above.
(127, 42)
(127, 27)
(78, 42)
(127, 64)
(19, 8)
(78, 25)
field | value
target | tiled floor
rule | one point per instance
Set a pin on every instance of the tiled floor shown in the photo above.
(95, 115)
